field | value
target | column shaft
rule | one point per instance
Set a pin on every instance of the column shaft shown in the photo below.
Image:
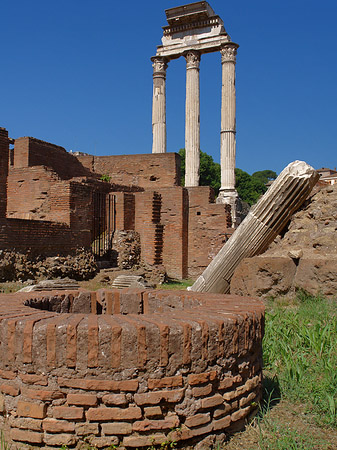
(261, 226)
(228, 121)
(192, 119)
(159, 105)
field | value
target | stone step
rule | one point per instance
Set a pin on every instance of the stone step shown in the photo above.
(125, 281)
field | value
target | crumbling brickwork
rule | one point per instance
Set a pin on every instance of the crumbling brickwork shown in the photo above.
(147, 170)
(4, 159)
(48, 194)
(209, 228)
(29, 152)
(127, 367)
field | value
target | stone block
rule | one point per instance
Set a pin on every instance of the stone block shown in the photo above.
(33, 410)
(117, 428)
(32, 437)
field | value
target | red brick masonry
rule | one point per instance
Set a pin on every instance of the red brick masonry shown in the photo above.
(127, 367)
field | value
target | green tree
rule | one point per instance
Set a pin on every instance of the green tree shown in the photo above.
(265, 175)
(210, 172)
(249, 187)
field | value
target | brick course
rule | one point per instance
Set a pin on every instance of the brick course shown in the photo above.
(129, 402)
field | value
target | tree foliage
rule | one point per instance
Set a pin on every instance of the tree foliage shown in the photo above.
(249, 187)
(210, 172)
(265, 175)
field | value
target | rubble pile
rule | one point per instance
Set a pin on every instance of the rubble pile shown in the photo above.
(305, 257)
(16, 266)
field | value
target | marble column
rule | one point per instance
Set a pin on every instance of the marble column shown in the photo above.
(192, 119)
(159, 104)
(263, 223)
(228, 193)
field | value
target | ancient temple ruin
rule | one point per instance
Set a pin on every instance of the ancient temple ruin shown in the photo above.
(192, 31)
(54, 202)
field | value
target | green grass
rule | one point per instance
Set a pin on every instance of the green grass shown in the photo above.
(3, 443)
(300, 352)
(11, 286)
(176, 285)
(277, 436)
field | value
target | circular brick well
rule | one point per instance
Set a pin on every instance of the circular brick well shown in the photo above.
(130, 368)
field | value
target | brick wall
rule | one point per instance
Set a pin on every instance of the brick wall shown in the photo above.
(146, 224)
(209, 227)
(29, 192)
(186, 230)
(81, 212)
(41, 237)
(36, 193)
(124, 210)
(181, 228)
(161, 221)
(147, 170)
(4, 156)
(29, 151)
(128, 368)
(174, 218)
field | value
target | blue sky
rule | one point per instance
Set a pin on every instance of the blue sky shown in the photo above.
(78, 74)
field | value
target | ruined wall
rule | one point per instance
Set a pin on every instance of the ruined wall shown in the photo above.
(144, 367)
(4, 159)
(29, 152)
(36, 195)
(174, 218)
(179, 228)
(41, 237)
(209, 227)
(147, 224)
(147, 171)
(29, 192)
(125, 210)
(305, 257)
(161, 221)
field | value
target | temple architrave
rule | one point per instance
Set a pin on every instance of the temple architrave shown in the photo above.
(193, 30)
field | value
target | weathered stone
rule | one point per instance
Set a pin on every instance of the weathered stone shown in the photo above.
(101, 442)
(192, 120)
(117, 428)
(159, 105)
(305, 257)
(59, 439)
(190, 35)
(263, 223)
(84, 429)
(263, 275)
(228, 193)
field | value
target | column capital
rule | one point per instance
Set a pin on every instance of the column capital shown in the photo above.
(159, 64)
(192, 59)
(228, 52)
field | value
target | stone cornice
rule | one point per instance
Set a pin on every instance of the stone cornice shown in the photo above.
(211, 22)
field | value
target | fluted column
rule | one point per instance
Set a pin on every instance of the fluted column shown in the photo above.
(263, 223)
(228, 121)
(192, 119)
(159, 105)
(228, 193)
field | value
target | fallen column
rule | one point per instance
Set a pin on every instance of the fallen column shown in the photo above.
(263, 223)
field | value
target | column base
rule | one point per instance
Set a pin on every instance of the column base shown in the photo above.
(231, 197)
